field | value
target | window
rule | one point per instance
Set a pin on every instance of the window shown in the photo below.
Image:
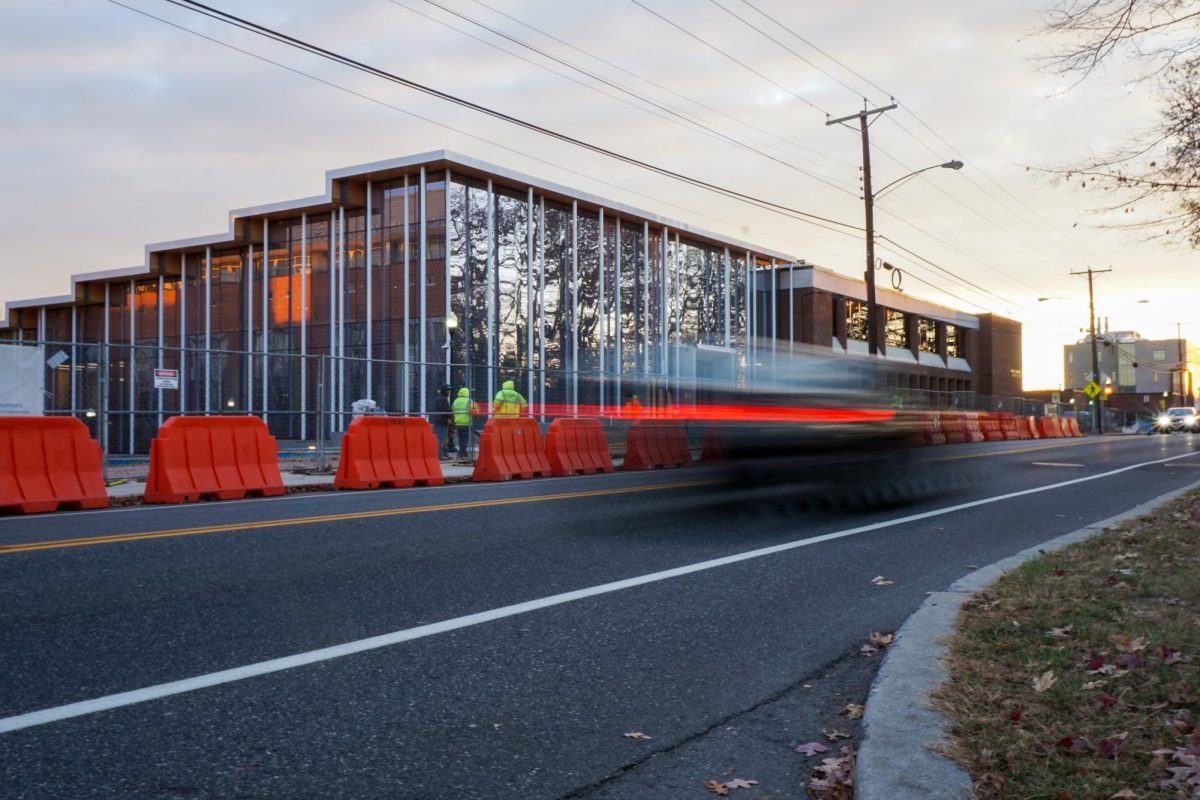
(1070, 358)
(927, 335)
(1160, 355)
(895, 333)
(856, 320)
(953, 342)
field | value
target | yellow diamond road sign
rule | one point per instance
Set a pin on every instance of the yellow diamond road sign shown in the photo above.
(1092, 389)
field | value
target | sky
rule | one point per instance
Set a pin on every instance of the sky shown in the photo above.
(117, 130)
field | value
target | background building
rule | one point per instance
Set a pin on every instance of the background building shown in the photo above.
(439, 268)
(1145, 374)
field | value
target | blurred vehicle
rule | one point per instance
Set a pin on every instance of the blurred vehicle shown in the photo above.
(1183, 419)
(822, 426)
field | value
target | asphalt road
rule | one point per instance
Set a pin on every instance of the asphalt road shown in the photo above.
(489, 641)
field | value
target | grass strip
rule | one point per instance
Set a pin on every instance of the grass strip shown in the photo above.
(1077, 675)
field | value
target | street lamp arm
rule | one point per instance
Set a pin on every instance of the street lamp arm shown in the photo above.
(955, 164)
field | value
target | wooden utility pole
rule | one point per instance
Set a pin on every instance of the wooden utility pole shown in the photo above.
(1099, 401)
(863, 118)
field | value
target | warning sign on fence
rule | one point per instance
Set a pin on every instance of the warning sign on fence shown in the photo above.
(166, 379)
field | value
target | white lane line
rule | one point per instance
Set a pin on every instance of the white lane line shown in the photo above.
(121, 699)
(1053, 464)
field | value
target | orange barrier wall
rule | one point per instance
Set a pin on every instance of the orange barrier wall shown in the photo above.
(1031, 424)
(931, 430)
(577, 447)
(1010, 428)
(655, 443)
(396, 452)
(510, 447)
(1048, 428)
(221, 457)
(953, 427)
(1073, 426)
(971, 427)
(989, 426)
(48, 463)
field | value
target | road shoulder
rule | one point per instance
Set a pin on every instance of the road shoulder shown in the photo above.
(897, 758)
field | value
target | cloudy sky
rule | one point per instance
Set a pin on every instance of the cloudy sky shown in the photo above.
(117, 130)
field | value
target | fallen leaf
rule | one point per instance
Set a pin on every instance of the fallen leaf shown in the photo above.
(716, 787)
(879, 580)
(1125, 794)
(833, 734)
(636, 735)
(852, 711)
(1044, 681)
(1058, 573)
(867, 650)
(739, 783)
(1130, 660)
(1093, 685)
(1127, 645)
(1107, 747)
(879, 640)
(811, 748)
(1059, 632)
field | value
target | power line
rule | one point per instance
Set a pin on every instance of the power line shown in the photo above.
(732, 58)
(291, 41)
(431, 121)
(677, 117)
(741, 122)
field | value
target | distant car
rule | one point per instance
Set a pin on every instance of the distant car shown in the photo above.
(1183, 419)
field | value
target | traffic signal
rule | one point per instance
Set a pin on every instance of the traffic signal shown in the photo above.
(1108, 390)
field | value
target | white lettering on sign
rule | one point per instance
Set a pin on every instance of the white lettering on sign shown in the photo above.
(166, 379)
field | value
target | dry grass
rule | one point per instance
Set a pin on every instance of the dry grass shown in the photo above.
(1078, 675)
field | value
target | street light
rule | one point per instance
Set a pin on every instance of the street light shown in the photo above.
(869, 199)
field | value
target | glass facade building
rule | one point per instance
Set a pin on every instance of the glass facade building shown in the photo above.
(403, 276)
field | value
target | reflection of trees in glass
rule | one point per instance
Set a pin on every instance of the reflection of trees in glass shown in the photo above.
(953, 342)
(856, 320)
(737, 301)
(927, 335)
(510, 231)
(588, 304)
(652, 328)
(631, 341)
(556, 263)
(895, 333)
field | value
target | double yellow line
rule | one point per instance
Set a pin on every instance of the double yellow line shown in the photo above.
(234, 527)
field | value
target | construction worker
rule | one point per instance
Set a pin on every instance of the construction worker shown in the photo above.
(442, 426)
(462, 410)
(508, 402)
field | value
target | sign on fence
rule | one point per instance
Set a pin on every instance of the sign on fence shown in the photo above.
(166, 379)
(23, 389)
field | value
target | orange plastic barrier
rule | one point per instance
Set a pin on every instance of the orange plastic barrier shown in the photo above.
(577, 447)
(220, 457)
(1032, 425)
(655, 443)
(48, 463)
(1011, 428)
(989, 426)
(931, 430)
(1073, 426)
(396, 452)
(954, 427)
(1048, 428)
(510, 447)
(971, 427)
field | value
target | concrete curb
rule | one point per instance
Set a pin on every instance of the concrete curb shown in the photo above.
(895, 759)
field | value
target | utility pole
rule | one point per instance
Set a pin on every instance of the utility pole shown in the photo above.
(869, 201)
(1099, 415)
(1182, 360)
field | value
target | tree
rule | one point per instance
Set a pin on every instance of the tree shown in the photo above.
(1161, 164)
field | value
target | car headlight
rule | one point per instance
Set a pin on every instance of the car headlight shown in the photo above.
(1163, 421)
(1191, 421)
